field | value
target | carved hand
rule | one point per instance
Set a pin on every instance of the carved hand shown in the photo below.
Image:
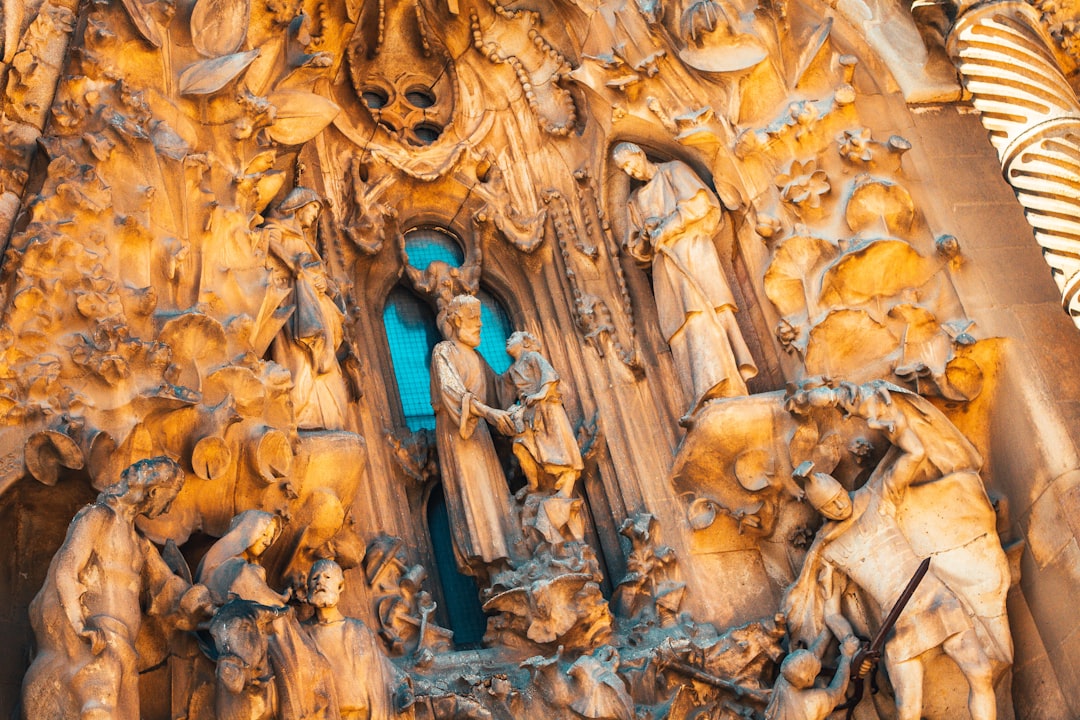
(850, 646)
(795, 491)
(95, 636)
(231, 675)
(500, 419)
(864, 662)
(504, 423)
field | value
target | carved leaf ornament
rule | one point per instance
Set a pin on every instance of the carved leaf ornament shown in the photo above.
(301, 115)
(879, 268)
(218, 27)
(701, 513)
(789, 280)
(876, 201)
(197, 342)
(847, 342)
(211, 458)
(141, 14)
(240, 383)
(46, 451)
(208, 76)
(714, 43)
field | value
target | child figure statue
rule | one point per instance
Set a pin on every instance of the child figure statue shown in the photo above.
(795, 698)
(545, 446)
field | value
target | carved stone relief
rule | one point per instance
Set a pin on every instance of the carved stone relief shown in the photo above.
(739, 396)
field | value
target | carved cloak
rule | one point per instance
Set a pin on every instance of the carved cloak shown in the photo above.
(945, 515)
(308, 342)
(365, 679)
(548, 436)
(477, 497)
(693, 301)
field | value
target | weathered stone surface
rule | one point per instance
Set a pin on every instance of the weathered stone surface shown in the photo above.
(236, 231)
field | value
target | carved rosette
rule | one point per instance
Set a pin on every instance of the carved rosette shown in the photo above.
(1024, 101)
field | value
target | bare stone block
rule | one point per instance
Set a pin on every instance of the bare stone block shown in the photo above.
(1048, 531)
(997, 222)
(1018, 276)
(1055, 347)
(1036, 694)
(1046, 590)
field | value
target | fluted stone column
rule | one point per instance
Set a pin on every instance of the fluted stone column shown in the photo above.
(1007, 63)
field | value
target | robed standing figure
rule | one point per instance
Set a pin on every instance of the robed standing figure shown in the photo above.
(307, 344)
(673, 218)
(463, 392)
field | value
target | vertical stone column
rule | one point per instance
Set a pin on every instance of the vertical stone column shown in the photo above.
(1007, 63)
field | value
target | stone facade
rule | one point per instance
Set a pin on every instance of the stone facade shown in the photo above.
(562, 359)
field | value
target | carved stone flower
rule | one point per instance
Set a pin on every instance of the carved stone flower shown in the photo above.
(804, 116)
(787, 334)
(803, 184)
(855, 145)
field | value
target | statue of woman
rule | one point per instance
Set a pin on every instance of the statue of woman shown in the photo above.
(230, 568)
(672, 220)
(307, 344)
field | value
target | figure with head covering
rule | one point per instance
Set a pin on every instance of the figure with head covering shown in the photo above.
(672, 220)
(369, 686)
(547, 448)
(925, 498)
(463, 391)
(308, 342)
(231, 571)
(88, 614)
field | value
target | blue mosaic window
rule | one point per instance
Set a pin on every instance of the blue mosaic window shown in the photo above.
(496, 328)
(463, 610)
(423, 246)
(412, 333)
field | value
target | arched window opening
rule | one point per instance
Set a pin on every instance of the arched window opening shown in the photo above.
(460, 594)
(412, 333)
(424, 246)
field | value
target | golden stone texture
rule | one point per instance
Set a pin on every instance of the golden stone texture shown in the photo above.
(775, 333)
